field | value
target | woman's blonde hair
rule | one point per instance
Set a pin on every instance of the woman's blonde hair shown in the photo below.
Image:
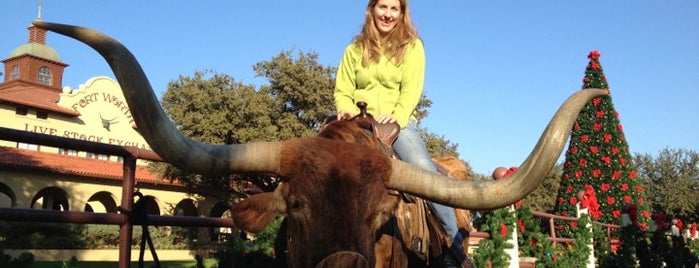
(395, 42)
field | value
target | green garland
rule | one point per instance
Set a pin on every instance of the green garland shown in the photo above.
(531, 241)
(491, 252)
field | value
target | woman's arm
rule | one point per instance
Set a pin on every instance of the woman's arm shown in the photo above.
(413, 79)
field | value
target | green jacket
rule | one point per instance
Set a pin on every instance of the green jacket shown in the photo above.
(386, 88)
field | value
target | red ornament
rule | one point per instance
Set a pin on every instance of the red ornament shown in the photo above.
(607, 137)
(616, 175)
(597, 126)
(503, 230)
(599, 114)
(606, 159)
(596, 173)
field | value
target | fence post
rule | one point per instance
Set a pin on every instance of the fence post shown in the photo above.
(590, 244)
(514, 251)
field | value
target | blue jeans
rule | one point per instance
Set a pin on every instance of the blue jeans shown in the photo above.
(410, 147)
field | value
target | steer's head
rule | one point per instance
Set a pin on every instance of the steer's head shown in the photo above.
(326, 179)
(334, 198)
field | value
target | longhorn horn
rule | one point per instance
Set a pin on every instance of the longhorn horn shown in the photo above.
(153, 123)
(500, 193)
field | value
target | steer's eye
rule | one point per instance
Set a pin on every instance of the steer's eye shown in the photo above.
(294, 203)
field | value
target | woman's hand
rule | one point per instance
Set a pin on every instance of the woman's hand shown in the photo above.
(383, 119)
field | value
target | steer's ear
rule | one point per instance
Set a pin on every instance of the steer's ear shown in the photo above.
(255, 212)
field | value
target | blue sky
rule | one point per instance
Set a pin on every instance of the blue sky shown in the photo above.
(496, 70)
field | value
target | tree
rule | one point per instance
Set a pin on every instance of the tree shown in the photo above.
(672, 180)
(542, 199)
(598, 159)
(302, 89)
(214, 108)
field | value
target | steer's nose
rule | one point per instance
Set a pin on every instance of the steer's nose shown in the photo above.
(342, 259)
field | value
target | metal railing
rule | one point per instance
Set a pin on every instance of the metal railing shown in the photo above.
(130, 155)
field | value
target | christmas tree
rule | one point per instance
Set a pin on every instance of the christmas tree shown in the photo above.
(598, 167)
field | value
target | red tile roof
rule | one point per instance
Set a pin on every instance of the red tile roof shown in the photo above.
(34, 96)
(73, 165)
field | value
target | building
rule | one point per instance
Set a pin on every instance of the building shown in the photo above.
(33, 99)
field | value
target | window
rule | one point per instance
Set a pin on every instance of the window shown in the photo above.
(21, 111)
(27, 146)
(44, 75)
(68, 152)
(42, 115)
(15, 72)
(97, 156)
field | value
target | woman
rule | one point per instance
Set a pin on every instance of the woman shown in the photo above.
(385, 67)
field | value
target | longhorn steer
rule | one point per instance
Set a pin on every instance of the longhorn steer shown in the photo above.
(336, 193)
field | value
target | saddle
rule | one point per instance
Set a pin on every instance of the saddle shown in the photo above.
(418, 226)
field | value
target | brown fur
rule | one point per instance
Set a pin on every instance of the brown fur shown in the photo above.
(334, 197)
(334, 200)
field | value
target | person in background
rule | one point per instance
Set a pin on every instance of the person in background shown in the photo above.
(384, 66)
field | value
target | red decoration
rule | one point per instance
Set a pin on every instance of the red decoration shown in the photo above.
(607, 137)
(596, 173)
(616, 175)
(589, 201)
(610, 200)
(503, 230)
(582, 162)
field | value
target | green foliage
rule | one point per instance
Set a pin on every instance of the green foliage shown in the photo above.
(72, 263)
(87, 236)
(626, 254)
(602, 245)
(302, 88)
(542, 199)
(672, 180)
(598, 158)
(438, 145)
(577, 254)
(532, 241)
(257, 252)
(491, 251)
(24, 260)
(41, 235)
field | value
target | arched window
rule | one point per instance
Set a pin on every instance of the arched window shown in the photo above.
(15, 72)
(44, 75)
